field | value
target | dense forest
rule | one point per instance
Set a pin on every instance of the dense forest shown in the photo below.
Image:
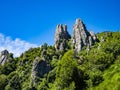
(45, 68)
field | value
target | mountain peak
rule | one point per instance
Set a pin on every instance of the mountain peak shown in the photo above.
(4, 52)
(81, 36)
(78, 20)
(61, 36)
(5, 57)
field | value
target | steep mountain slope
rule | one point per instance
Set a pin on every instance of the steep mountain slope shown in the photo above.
(83, 61)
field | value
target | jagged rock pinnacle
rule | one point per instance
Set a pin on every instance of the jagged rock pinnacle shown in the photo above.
(61, 36)
(81, 37)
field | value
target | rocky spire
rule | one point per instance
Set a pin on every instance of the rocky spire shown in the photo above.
(61, 36)
(81, 37)
(5, 56)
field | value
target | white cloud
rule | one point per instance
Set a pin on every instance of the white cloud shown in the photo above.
(17, 46)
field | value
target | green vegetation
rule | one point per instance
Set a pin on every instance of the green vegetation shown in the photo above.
(98, 69)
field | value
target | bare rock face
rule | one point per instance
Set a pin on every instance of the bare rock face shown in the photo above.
(61, 36)
(5, 57)
(81, 37)
(93, 35)
(39, 69)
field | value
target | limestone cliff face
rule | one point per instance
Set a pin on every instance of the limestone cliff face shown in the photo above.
(61, 36)
(5, 57)
(39, 69)
(81, 37)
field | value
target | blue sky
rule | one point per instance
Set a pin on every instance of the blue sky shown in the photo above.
(35, 20)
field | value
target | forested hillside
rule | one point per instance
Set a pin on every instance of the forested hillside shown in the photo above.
(65, 66)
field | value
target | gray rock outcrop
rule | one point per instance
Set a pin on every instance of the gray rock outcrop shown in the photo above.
(81, 37)
(39, 69)
(93, 36)
(61, 36)
(5, 57)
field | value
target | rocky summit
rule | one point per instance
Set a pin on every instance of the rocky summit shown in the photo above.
(5, 56)
(81, 37)
(61, 37)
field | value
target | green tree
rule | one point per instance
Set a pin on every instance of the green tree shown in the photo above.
(14, 83)
(67, 74)
(3, 81)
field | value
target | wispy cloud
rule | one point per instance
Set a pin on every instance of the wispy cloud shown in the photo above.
(16, 46)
